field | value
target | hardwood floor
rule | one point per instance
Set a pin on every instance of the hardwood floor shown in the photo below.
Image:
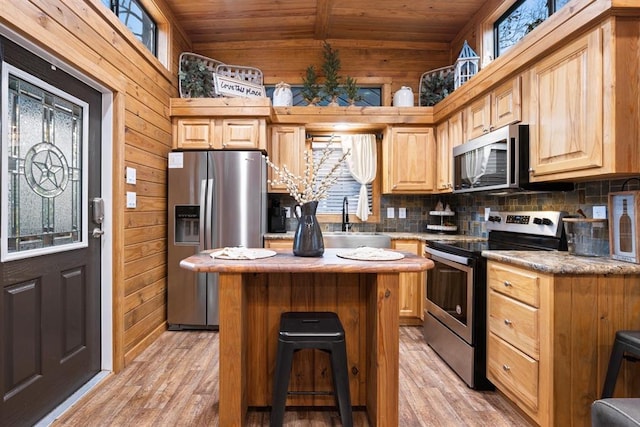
(175, 383)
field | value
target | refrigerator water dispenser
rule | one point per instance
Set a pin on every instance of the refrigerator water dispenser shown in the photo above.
(187, 224)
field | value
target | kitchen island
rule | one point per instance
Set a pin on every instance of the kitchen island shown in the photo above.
(253, 294)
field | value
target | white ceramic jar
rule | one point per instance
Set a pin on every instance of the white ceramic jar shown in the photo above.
(403, 97)
(282, 96)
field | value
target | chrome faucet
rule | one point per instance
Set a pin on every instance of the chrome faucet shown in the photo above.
(345, 215)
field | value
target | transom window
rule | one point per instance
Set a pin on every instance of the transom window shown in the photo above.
(137, 19)
(520, 20)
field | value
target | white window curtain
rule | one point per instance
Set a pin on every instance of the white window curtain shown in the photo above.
(362, 164)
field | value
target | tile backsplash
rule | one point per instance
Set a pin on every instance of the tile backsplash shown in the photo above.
(470, 207)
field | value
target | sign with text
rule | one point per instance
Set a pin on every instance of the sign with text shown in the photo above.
(228, 86)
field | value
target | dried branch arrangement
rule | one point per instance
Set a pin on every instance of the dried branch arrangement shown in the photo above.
(308, 187)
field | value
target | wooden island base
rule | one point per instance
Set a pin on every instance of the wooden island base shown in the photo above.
(253, 294)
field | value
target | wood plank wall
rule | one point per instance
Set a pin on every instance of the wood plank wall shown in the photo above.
(287, 61)
(87, 36)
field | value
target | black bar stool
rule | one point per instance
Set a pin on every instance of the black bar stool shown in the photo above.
(303, 330)
(626, 342)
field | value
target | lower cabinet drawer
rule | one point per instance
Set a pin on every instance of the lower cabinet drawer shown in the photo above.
(515, 322)
(512, 371)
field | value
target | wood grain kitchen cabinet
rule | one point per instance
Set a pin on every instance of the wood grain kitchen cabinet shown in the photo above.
(550, 336)
(198, 133)
(242, 134)
(584, 119)
(193, 133)
(286, 147)
(279, 243)
(449, 134)
(408, 159)
(500, 107)
(411, 286)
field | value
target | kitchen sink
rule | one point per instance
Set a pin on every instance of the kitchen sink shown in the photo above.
(348, 239)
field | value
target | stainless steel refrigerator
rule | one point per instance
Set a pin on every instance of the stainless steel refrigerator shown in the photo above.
(216, 199)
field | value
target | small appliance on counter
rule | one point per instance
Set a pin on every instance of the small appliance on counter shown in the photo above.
(277, 218)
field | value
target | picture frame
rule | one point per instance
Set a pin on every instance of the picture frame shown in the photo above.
(624, 213)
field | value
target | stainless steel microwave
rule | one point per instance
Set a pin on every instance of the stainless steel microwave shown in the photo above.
(497, 161)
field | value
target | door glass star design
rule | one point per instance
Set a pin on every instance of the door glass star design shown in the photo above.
(46, 170)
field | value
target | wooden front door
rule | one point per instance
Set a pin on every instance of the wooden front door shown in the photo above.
(50, 260)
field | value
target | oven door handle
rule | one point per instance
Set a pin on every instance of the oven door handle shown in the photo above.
(450, 257)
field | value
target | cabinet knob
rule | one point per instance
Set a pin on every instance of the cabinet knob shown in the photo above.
(507, 284)
(531, 170)
(508, 322)
(506, 368)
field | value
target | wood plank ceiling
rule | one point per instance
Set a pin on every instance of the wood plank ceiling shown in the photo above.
(216, 21)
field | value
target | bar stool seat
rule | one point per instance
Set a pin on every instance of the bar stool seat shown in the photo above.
(625, 346)
(309, 330)
(616, 412)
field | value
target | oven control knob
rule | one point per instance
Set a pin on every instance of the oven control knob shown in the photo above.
(537, 221)
(495, 218)
(547, 221)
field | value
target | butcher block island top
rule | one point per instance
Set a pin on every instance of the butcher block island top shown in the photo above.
(254, 292)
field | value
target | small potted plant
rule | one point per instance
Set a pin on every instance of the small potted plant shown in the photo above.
(196, 79)
(330, 68)
(310, 86)
(351, 89)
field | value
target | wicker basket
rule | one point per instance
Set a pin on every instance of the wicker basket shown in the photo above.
(241, 73)
(427, 82)
(245, 74)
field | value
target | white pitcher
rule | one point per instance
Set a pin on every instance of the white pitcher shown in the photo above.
(282, 96)
(403, 97)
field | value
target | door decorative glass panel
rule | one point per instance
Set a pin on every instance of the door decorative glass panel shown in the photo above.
(43, 153)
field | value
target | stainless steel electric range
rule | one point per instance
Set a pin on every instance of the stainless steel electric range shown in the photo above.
(456, 288)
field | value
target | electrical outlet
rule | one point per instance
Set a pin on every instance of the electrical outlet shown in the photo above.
(131, 199)
(391, 213)
(487, 212)
(402, 213)
(287, 211)
(600, 212)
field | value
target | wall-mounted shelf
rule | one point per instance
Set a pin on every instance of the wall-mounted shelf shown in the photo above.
(442, 227)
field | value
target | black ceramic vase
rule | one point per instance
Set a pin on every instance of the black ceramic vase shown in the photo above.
(307, 240)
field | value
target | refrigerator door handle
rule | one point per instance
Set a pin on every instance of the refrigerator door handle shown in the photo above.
(203, 215)
(208, 215)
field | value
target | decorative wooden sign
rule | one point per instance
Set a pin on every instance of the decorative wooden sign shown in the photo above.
(227, 86)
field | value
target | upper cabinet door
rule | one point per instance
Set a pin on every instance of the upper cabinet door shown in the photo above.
(409, 160)
(566, 108)
(244, 134)
(286, 147)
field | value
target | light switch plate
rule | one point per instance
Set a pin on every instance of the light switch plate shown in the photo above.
(487, 212)
(131, 199)
(391, 213)
(402, 213)
(287, 210)
(131, 175)
(600, 212)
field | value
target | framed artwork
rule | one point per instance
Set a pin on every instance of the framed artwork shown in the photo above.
(624, 211)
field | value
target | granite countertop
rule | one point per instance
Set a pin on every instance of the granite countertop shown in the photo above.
(560, 262)
(394, 236)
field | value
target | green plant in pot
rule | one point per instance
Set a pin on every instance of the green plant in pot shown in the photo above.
(351, 89)
(196, 79)
(436, 87)
(330, 68)
(310, 86)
